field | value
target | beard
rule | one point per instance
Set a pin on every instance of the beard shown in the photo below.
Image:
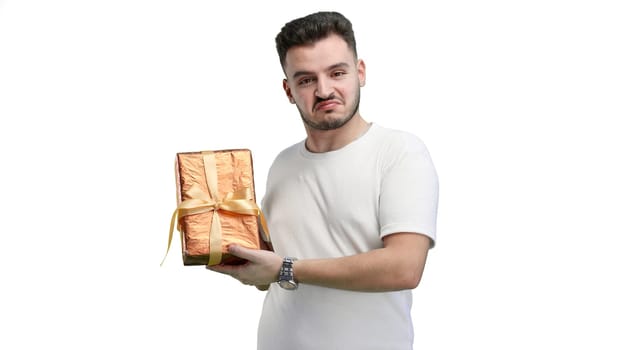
(333, 124)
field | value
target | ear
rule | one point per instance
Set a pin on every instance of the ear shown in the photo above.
(288, 92)
(360, 67)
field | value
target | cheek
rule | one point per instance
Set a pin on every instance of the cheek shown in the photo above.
(347, 93)
(303, 99)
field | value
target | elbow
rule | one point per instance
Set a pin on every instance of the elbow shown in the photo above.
(412, 283)
(409, 280)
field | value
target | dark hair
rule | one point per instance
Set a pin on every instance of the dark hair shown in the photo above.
(312, 28)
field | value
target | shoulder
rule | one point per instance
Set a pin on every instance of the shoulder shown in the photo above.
(286, 160)
(401, 151)
(288, 153)
(395, 140)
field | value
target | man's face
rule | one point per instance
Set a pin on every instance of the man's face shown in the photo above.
(324, 81)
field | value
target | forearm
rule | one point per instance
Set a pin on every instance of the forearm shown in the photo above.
(395, 267)
(398, 265)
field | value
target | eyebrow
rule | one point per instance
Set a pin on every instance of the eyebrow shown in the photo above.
(334, 66)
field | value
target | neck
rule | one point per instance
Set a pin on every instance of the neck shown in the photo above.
(320, 141)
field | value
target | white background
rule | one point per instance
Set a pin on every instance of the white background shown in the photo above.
(518, 103)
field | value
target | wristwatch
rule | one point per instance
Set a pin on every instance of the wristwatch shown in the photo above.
(286, 275)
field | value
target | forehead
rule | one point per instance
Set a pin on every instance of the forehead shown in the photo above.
(318, 56)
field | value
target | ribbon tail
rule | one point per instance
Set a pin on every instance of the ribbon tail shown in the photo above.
(215, 241)
(170, 235)
(265, 233)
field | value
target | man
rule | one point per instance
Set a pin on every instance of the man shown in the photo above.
(351, 209)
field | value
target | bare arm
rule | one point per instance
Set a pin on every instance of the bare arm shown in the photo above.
(397, 265)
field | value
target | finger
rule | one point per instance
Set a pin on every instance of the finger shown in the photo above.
(226, 269)
(242, 252)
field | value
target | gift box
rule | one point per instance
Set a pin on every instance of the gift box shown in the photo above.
(216, 206)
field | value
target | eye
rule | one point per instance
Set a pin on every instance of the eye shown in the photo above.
(305, 81)
(339, 73)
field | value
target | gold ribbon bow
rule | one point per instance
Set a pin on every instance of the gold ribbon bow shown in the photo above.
(198, 201)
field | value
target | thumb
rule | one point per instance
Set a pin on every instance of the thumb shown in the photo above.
(241, 252)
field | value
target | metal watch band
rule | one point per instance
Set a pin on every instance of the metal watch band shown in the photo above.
(286, 274)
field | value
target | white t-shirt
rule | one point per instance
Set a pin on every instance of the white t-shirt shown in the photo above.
(340, 203)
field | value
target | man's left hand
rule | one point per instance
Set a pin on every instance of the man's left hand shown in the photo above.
(261, 269)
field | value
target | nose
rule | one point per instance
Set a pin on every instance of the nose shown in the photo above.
(324, 88)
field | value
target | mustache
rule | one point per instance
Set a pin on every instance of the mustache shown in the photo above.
(319, 100)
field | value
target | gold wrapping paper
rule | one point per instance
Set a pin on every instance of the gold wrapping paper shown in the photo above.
(233, 178)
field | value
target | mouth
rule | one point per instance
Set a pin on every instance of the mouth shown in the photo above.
(326, 105)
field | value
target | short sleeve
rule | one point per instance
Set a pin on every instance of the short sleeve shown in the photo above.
(409, 188)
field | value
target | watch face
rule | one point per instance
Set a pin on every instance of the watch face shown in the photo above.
(289, 285)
